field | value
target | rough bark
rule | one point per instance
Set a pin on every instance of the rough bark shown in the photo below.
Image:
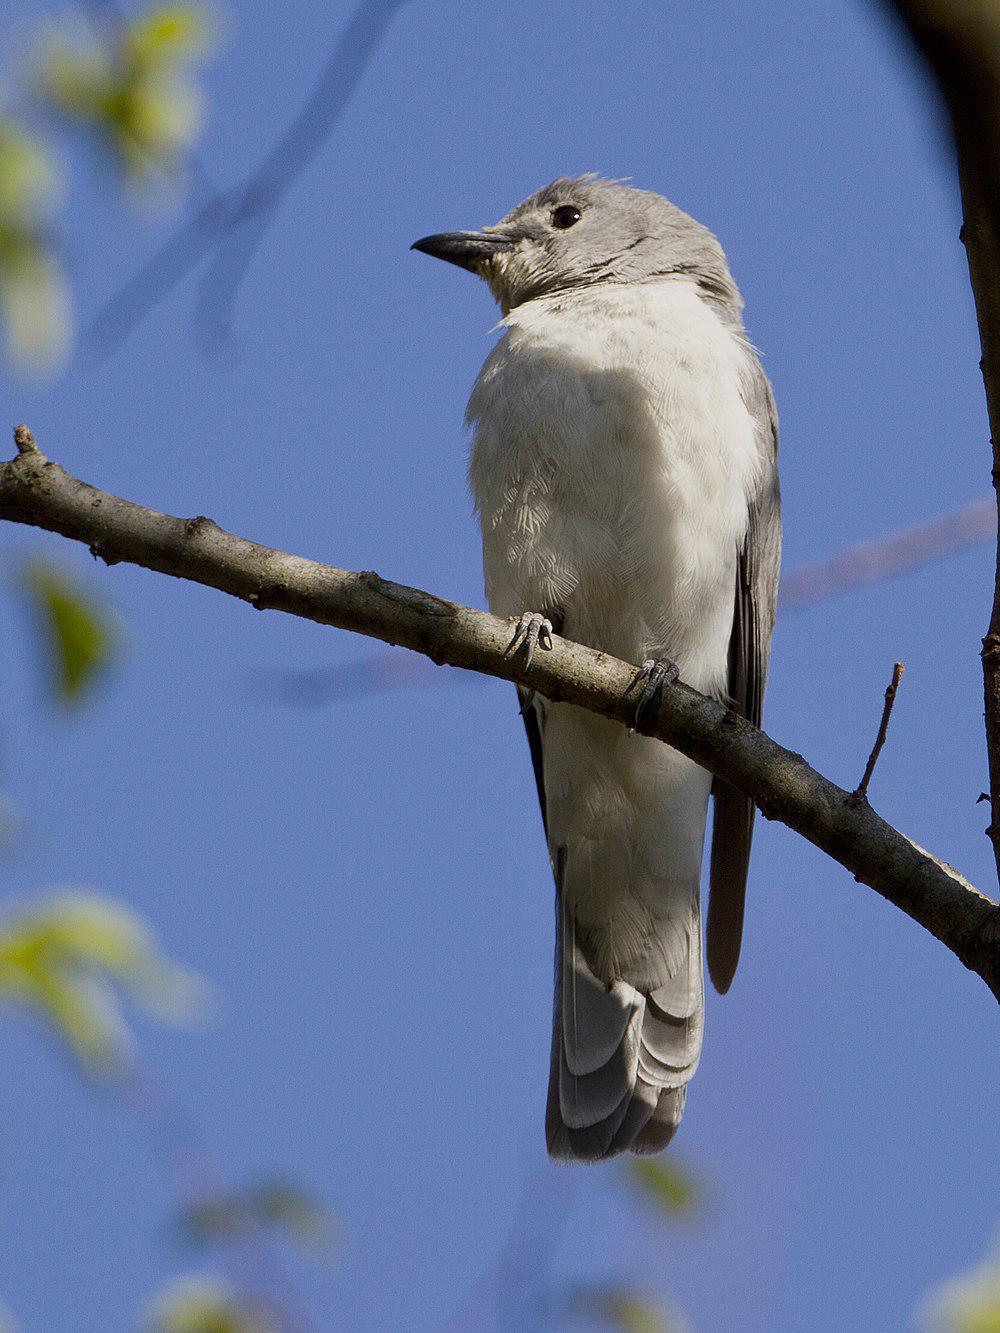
(36, 491)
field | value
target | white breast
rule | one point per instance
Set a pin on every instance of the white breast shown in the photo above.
(611, 465)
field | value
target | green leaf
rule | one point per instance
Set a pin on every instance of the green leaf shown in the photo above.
(205, 1305)
(967, 1304)
(76, 630)
(65, 957)
(670, 1187)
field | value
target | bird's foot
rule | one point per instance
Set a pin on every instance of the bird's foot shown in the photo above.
(532, 631)
(654, 675)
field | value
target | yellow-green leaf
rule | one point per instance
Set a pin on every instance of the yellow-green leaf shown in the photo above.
(133, 89)
(34, 300)
(65, 957)
(28, 180)
(624, 1310)
(168, 33)
(669, 1186)
(205, 1305)
(76, 630)
(967, 1304)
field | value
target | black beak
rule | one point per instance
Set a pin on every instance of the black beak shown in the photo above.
(467, 249)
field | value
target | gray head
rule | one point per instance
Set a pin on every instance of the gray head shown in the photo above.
(583, 231)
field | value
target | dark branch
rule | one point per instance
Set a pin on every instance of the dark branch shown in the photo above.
(961, 45)
(38, 492)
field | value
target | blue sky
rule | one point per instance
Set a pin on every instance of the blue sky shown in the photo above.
(366, 881)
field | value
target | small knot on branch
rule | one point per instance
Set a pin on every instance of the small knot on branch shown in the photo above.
(861, 791)
(24, 440)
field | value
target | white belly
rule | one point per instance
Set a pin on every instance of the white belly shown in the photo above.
(611, 463)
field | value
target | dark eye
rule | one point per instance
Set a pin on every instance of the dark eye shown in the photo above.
(567, 215)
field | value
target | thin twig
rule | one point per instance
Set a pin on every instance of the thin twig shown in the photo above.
(38, 492)
(861, 791)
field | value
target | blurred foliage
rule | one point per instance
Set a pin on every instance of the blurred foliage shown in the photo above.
(624, 1310)
(274, 1204)
(670, 1187)
(206, 1305)
(77, 631)
(133, 88)
(34, 304)
(967, 1304)
(64, 958)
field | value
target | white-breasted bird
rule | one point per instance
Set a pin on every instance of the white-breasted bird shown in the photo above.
(624, 471)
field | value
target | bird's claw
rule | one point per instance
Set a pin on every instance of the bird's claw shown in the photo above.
(654, 674)
(532, 631)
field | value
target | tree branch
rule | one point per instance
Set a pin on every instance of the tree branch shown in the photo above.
(883, 730)
(961, 45)
(40, 493)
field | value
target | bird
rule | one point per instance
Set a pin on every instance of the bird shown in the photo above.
(623, 466)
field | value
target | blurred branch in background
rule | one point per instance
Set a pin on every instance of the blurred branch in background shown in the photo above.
(236, 1225)
(891, 555)
(865, 564)
(228, 228)
(529, 1295)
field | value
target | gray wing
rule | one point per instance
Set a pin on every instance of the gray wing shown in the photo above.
(749, 651)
